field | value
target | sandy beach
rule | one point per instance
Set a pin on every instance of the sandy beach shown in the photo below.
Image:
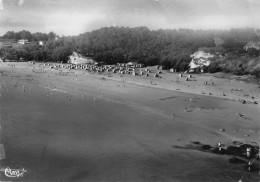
(73, 125)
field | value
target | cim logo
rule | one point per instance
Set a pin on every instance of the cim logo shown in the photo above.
(13, 173)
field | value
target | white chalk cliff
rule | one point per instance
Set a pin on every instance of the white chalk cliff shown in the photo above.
(252, 44)
(77, 58)
(200, 59)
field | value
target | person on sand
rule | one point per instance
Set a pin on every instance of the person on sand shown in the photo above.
(219, 147)
(248, 152)
(249, 166)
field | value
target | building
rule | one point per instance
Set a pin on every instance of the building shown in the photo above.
(41, 43)
(23, 41)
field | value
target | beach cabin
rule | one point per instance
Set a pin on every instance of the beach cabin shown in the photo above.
(23, 41)
(139, 65)
(132, 64)
(172, 70)
(121, 64)
(135, 65)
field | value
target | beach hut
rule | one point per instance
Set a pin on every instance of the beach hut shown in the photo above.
(134, 73)
(189, 76)
(156, 75)
(140, 65)
(187, 79)
(146, 74)
(180, 75)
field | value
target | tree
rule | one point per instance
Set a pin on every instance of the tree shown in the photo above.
(22, 53)
(184, 66)
(253, 52)
(9, 35)
(10, 56)
(165, 63)
(24, 34)
(39, 36)
(51, 36)
(61, 54)
(213, 67)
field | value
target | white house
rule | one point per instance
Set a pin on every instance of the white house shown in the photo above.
(200, 59)
(23, 41)
(41, 43)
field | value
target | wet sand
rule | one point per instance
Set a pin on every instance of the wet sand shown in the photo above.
(79, 127)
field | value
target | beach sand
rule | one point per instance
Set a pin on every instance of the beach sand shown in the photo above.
(72, 125)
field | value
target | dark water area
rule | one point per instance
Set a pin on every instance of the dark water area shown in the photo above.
(59, 136)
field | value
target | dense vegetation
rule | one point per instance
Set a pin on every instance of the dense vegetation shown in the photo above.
(169, 48)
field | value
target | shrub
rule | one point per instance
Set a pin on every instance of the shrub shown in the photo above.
(213, 68)
(256, 72)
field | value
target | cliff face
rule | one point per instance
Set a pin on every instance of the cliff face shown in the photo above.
(200, 59)
(76, 58)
